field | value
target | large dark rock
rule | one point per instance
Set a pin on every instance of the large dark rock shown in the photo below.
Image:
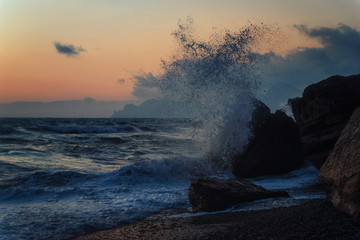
(322, 113)
(274, 145)
(213, 194)
(340, 174)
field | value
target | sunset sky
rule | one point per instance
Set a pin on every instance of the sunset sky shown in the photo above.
(73, 49)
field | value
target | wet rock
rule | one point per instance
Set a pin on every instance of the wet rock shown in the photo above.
(322, 113)
(274, 145)
(213, 194)
(340, 174)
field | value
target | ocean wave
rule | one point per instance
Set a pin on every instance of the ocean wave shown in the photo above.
(41, 185)
(37, 184)
(113, 140)
(7, 130)
(163, 170)
(148, 129)
(77, 129)
(45, 179)
(218, 78)
(13, 140)
(7, 169)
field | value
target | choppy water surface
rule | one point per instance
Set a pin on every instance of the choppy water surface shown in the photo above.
(61, 178)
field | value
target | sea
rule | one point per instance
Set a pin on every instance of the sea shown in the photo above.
(62, 178)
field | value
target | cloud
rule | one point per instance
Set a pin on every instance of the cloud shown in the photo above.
(146, 86)
(286, 77)
(344, 36)
(68, 49)
(339, 54)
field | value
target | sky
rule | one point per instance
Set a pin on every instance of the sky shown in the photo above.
(72, 50)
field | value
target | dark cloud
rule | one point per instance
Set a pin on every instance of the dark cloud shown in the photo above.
(68, 49)
(344, 36)
(146, 86)
(339, 54)
(286, 76)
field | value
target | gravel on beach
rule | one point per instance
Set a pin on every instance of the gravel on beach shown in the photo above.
(316, 219)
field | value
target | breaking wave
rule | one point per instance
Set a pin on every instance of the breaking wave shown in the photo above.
(218, 79)
(76, 129)
(6, 130)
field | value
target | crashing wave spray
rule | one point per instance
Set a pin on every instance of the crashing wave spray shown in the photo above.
(218, 79)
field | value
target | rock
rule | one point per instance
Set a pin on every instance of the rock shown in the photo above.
(340, 174)
(158, 108)
(234, 134)
(213, 194)
(322, 113)
(274, 145)
(261, 115)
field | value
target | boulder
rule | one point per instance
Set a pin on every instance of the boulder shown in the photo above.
(234, 134)
(322, 113)
(213, 194)
(274, 145)
(340, 174)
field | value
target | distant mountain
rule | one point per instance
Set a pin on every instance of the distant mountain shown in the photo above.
(158, 108)
(86, 108)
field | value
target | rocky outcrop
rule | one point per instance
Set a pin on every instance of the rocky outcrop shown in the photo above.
(213, 194)
(158, 108)
(340, 174)
(274, 145)
(322, 113)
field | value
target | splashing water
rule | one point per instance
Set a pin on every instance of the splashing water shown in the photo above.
(218, 79)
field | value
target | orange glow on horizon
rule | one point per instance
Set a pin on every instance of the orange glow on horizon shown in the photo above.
(123, 38)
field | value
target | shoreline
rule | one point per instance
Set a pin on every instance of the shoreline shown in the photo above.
(316, 219)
